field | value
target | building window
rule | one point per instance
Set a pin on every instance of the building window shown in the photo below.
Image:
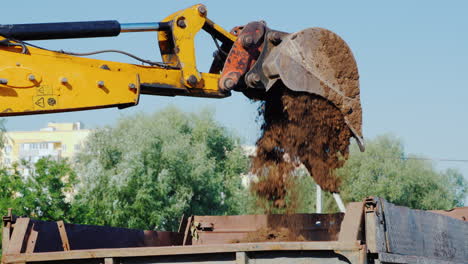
(77, 147)
(64, 147)
(43, 146)
(7, 149)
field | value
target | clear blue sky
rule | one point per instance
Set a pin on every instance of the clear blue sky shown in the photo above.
(412, 58)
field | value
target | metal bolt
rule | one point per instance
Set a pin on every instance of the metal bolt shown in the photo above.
(132, 86)
(181, 22)
(229, 83)
(104, 67)
(64, 80)
(3, 81)
(253, 78)
(192, 80)
(31, 77)
(247, 41)
(100, 83)
(202, 10)
(275, 38)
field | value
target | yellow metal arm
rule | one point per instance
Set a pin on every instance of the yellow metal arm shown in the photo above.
(43, 81)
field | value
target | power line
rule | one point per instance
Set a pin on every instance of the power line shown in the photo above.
(420, 158)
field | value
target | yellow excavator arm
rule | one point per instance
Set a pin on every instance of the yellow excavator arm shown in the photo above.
(35, 80)
(250, 59)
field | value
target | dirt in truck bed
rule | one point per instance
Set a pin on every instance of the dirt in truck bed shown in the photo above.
(298, 128)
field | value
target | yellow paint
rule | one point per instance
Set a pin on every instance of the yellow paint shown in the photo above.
(222, 30)
(184, 41)
(44, 81)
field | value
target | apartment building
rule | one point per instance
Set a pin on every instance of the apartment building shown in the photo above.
(57, 140)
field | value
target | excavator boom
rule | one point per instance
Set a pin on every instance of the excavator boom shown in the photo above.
(250, 59)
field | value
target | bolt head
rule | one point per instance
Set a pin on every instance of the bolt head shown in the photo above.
(229, 83)
(202, 10)
(31, 77)
(100, 83)
(253, 78)
(64, 80)
(192, 80)
(247, 41)
(132, 86)
(275, 38)
(181, 22)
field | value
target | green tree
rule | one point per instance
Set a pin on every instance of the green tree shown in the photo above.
(41, 195)
(48, 191)
(385, 170)
(148, 170)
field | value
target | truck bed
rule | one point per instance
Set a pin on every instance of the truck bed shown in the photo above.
(372, 231)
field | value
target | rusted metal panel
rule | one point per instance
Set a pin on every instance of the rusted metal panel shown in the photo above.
(16, 243)
(243, 54)
(134, 252)
(420, 233)
(187, 232)
(48, 238)
(31, 244)
(352, 224)
(239, 228)
(457, 213)
(374, 226)
(63, 235)
(6, 232)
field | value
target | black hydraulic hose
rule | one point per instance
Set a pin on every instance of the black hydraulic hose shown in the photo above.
(64, 30)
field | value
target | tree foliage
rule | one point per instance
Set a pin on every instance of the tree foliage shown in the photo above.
(41, 195)
(384, 170)
(387, 171)
(148, 170)
(48, 191)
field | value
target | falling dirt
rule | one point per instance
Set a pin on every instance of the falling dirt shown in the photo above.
(302, 128)
(298, 128)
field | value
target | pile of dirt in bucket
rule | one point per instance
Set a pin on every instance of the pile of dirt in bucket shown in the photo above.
(299, 128)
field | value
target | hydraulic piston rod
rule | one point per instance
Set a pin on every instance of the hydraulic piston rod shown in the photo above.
(87, 29)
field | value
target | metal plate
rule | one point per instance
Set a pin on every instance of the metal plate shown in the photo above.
(239, 228)
(421, 233)
(318, 61)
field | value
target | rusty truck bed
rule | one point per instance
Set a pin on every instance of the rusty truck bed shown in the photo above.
(373, 231)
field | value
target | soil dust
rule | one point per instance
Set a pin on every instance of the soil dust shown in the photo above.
(298, 128)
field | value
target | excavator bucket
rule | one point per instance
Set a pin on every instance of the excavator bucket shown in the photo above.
(314, 60)
(319, 62)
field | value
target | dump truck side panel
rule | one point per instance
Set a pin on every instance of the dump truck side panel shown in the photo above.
(374, 231)
(397, 233)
